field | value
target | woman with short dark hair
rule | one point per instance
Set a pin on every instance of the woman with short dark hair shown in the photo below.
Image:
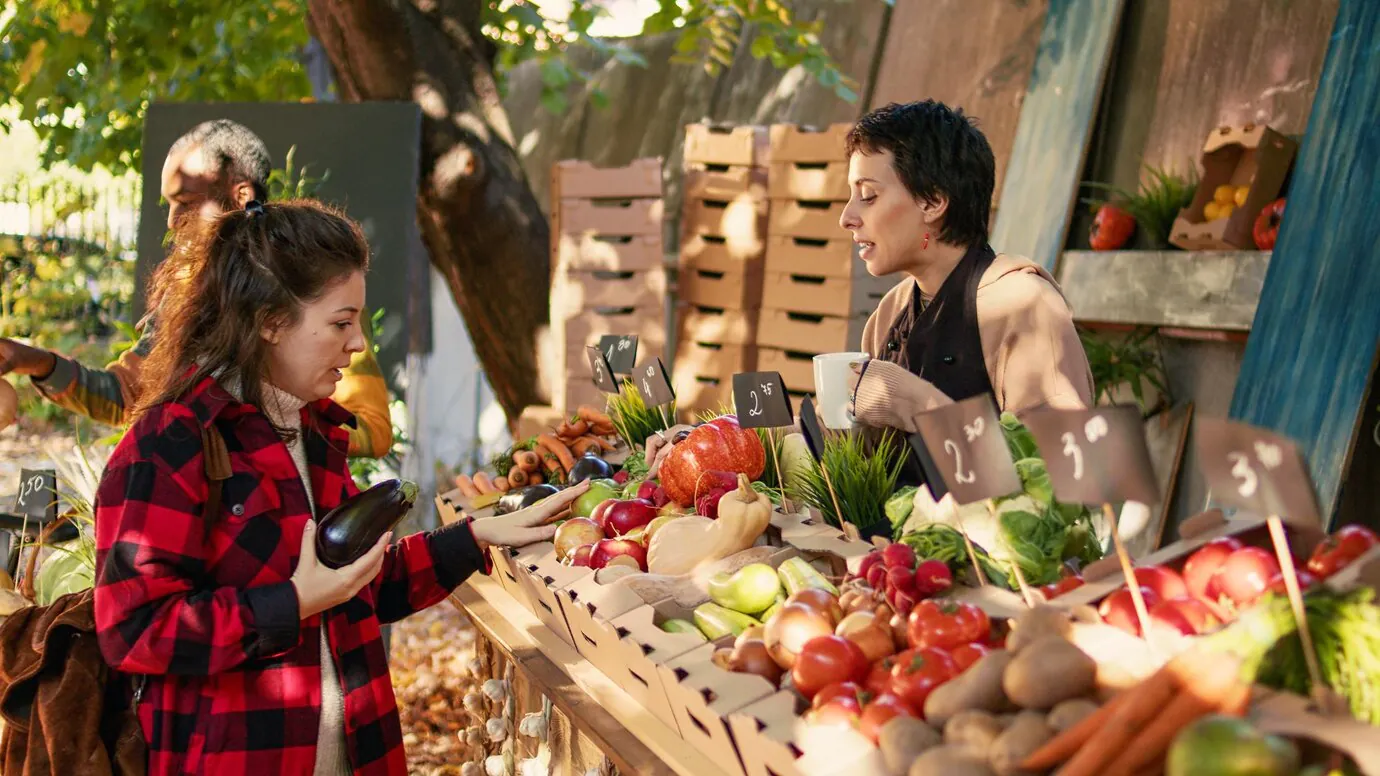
(965, 320)
(250, 655)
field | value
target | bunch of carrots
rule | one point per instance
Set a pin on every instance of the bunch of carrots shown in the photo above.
(1131, 734)
(550, 457)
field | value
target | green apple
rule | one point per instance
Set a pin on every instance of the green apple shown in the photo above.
(598, 492)
(750, 590)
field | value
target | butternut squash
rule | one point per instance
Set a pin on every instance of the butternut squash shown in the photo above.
(686, 543)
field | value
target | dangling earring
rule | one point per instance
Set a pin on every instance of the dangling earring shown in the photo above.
(926, 243)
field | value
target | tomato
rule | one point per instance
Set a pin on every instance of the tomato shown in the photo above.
(918, 671)
(878, 678)
(842, 711)
(1055, 589)
(967, 655)
(1277, 585)
(841, 690)
(947, 625)
(1245, 575)
(1165, 582)
(825, 660)
(1340, 549)
(885, 708)
(1188, 616)
(1112, 228)
(1118, 610)
(1266, 227)
(1203, 564)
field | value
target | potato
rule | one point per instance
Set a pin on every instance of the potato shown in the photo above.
(973, 731)
(1027, 733)
(1037, 623)
(949, 761)
(902, 740)
(1066, 714)
(979, 688)
(1048, 671)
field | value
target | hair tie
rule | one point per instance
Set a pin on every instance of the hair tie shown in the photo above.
(254, 207)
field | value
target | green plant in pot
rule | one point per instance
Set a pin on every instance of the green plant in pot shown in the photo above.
(1125, 364)
(863, 474)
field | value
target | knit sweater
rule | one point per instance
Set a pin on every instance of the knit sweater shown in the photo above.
(1033, 354)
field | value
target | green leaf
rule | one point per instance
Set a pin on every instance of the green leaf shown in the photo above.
(599, 99)
(555, 102)
(555, 74)
(762, 46)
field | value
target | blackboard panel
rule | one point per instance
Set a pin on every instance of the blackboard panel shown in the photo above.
(371, 151)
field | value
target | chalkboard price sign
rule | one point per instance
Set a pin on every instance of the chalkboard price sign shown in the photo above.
(760, 400)
(37, 497)
(621, 352)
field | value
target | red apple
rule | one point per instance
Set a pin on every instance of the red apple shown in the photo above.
(647, 488)
(708, 504)
(599, 515)
(1246, 574)
(608, 549)
(575, 532)
(1203, 564)
(581, 555)
(623, 517)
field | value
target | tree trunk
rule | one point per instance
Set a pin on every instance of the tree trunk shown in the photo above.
(478, 216)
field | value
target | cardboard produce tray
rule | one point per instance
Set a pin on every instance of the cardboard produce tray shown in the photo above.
(622, 217)
(590, 252)
(739, 289)
(743, 146)
(805, 218)
(572, 178)
(823, 295)
(809, 333)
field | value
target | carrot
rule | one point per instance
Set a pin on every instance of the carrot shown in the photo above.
(1141, 705)
(466, 485)
(1154, 739)
(518, 478)
(603, 430)
(563, 430)
(582, 445)
(551, 465)
(501, 484)
(535, 478)
(593, 416)
(558, 448)
(481, 481)
(604, 444)
(579, 428)
(527, 460)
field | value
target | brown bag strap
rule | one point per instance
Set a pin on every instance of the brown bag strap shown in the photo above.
(216, 458)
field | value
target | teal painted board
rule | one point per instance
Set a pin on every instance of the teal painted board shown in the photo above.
(1314, 338)
(1041, 186)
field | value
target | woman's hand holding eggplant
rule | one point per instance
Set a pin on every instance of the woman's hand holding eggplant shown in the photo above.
(320, 587)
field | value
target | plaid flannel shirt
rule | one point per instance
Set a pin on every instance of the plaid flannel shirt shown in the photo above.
(207, 614)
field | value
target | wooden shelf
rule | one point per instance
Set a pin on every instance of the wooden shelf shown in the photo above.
(634, 739)
(1215, 290)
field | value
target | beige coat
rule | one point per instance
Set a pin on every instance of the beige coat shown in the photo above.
(1033, 354)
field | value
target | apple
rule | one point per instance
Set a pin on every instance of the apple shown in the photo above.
(1187, 615)
(581, 555)
(621, 517)
(608, 549)
(1203, 564)
(718, 480)
(599, 515)
(575, 532)
(599, 492)
(1165, 582)
(708, 504)
(1246, 574)
(647, 488)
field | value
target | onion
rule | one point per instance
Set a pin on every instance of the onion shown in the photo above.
(790, 628)
(758, 632)
(721, 658)
(752, 657)
(821, 601)
(872, 635)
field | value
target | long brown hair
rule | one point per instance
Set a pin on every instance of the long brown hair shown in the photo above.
(228, 279)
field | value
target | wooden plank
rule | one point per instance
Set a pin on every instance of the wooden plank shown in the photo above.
(1210, 290)
(972, 54)
(1166, 434)
(634, 739)
(1056, 122)
(1313, 342)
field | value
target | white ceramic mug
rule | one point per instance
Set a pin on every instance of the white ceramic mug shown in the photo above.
(834, 388)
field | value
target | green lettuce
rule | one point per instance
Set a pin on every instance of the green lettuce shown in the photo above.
(899, 506)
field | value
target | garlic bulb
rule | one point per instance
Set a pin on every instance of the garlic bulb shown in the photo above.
(533, 726)
(474, 736)
(497, 728)
(471, 769)
(476, 666)
(474, 702)
(496, 689)
(533, 767)
(498, 765)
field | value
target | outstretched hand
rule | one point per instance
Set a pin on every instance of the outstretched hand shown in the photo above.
(530, 525)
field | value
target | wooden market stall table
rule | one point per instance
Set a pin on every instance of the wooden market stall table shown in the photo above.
(633, 739)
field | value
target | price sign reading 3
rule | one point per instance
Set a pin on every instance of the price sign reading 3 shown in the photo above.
(601, 371)
(1101, 458)
(1256, 470)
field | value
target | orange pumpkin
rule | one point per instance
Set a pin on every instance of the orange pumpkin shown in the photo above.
(720, 445)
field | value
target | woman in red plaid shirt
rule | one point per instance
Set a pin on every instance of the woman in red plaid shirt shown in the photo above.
(249, 655)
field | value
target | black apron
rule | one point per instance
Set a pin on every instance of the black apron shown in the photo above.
(942, 343)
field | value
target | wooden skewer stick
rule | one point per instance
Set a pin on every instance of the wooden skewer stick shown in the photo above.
(1291, 586)
(1132, 584)
(832, 495)
(780, 475)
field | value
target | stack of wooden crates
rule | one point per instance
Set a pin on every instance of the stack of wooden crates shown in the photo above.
(610, 275)
(816, 294)
(723, 245)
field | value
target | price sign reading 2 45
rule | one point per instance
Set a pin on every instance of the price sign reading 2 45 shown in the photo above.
(760, 400)
(966, 450)
(1096, 456)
